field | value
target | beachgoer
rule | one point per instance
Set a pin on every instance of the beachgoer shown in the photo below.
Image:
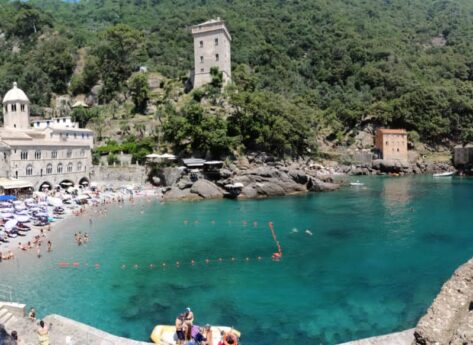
(208, 334)
(14, 335)
(43, 333)
(180, 329)
(10, 255)
(1, 257)
(50, 246)
(32, 314)
(189, 320)
(38, 250)
(196, 333)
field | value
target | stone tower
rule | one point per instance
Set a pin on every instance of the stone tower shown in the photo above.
(211, 49)
(16, 109)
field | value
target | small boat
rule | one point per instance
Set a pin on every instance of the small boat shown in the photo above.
(166, 335)
(444, 174)
(357, 184)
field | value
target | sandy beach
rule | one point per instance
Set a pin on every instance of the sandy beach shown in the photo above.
(87, 213)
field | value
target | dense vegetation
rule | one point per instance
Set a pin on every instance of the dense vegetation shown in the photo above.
(297, 65)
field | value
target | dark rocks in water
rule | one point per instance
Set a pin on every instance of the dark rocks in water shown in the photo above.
(316, 185)
(338, 233)
(390, 166)
(437, 238)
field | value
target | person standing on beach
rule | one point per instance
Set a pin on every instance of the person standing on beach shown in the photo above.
(38, 250)
(180, 329)
(50, 246)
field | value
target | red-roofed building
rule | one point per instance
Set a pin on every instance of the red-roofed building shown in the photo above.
(392, 144)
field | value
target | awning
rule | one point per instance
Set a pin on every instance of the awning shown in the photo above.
(14, 184)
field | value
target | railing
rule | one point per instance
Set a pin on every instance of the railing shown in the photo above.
(7, 293)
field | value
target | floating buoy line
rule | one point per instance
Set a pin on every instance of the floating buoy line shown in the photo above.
(276, 257)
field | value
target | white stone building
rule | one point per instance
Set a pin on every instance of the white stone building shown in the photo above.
(211, 49)
(45, 153)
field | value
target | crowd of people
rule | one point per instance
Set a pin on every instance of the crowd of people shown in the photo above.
(189, 334)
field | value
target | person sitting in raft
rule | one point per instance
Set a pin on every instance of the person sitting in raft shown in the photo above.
(189, 320)
(196, 333)
(180, 329)
(208, 334)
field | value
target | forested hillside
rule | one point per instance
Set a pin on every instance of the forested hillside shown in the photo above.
(298, 65)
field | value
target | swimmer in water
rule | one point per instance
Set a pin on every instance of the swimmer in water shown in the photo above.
(294, 230)
(308, 232)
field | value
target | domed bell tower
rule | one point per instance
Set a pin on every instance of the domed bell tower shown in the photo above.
(16, 109)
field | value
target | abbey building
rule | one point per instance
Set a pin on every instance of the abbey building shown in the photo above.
(46, 153)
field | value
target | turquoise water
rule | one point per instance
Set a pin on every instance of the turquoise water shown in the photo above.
(377, 258)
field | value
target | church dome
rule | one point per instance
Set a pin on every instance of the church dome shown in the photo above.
(15, 95)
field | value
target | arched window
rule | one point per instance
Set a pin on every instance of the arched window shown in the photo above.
(49, 169)
(79, 166)
(29, 170)
(59, 168)
(69, 167)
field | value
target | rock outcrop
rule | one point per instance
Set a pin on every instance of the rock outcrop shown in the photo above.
(449, 320)
(206, 190)
(254, 182)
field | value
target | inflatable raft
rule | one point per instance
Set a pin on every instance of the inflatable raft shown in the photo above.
(166, 335)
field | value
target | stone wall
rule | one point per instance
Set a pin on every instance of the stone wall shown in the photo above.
(133, 174)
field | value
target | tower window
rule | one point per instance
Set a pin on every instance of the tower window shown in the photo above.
(201, 44)
(13, 107)
(216, 57)
(22, 107)
(216, 41)
(201, 59)
(201, 70)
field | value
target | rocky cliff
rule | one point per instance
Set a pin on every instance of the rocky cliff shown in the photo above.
(449, 320)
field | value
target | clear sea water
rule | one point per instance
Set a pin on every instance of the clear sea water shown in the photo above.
(377, 258)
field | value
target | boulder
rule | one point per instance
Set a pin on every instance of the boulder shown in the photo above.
(184, 183)
(389, 166)
(175, 193)
(298, 176)
(316, 185)
(225, 173)
(206, 189)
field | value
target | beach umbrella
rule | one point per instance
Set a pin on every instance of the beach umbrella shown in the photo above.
(83, 197)
(20, 207)
(22, 219)
(56, 202)
(42, 214)
(6, 204)
(7, 210)
(7, 215)
(10, 224)
(21, 213)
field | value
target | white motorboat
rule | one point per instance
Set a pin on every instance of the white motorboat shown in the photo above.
(444, 174)
(357, 184)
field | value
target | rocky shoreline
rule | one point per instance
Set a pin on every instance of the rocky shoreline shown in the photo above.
(260, 176)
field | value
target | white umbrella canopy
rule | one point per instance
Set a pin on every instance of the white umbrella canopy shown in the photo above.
(56, 202)
(23, 219)
(21, 213)
(5, 204)
(10, 224)
(6, 210)
(7, 215)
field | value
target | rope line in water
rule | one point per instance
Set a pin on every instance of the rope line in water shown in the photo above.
(278, 255)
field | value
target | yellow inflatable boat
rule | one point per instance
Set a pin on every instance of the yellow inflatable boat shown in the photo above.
(166, 335)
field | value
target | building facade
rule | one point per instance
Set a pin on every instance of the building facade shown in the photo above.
(45, 153)
(392, 144)
(211, 49)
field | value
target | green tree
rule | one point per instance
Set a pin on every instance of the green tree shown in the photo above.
(139, 91)
(119, 53)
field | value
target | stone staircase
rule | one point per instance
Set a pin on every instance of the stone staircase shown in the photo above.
(7, 319)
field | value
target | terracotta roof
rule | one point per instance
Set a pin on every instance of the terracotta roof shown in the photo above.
(392, 131)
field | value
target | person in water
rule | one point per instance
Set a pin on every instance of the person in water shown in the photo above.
(180, 329)
(32, 314)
